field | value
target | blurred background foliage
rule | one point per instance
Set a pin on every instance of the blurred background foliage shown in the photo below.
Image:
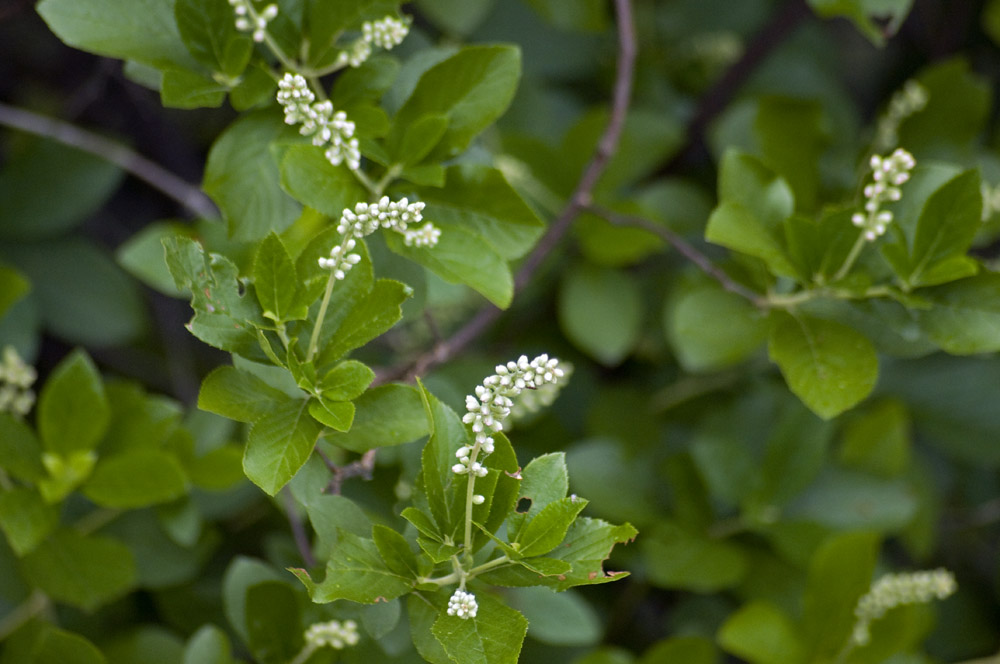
(673, 421)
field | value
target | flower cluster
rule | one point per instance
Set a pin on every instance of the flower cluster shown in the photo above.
(911, 99)
(888, 174)
(492, 404)
(462, 604)
(249, 20)
(366, 218)
(319, 120)
(334, 634)
(385, 33)
(16, 379)
(894, 590)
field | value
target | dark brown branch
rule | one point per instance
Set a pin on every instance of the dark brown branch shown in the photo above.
(684, 248)
(719, 96)
(580, 199)
(185, 193)
(362, 468)
(298, 530)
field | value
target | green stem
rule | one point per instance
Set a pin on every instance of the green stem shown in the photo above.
(487, 566)
(304, 654)
(469, 493)
(314, 339)
(391, 174)
(859, 244)
(28, 609)
(318, 87)
(366, 182)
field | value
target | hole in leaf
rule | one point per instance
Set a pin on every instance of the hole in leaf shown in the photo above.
(523, 505)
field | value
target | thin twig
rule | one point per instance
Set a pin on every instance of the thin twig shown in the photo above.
(363, 468)
(684, 248)
(719, 96)
(298, 530)
(578, 202)
(185, 193)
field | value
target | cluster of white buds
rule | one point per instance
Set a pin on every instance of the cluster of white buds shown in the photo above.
(250, 20)
(385, 33)
(542, 397)
(888, 174)
(16, 379)
(911, 99)
(334, 634)
(462, 604)
(319, 120)
(894, 590)
(366, 218)
(492, 404)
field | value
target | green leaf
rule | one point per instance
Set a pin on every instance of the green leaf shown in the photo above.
(224, 317)
(365, 83)
(584, 16)
(384, 416)
(793, 135)
(137, 478)
(762, 634)
(83, 571)
(13, 287)
(73, 411)
(601, 312)
(965, 315)
(878, 441)
(711, 329)
(83, 296)
(420, 138)
(472, 88)
(57, 645)
(436, 480)
(840, 572)
(734, 226)
(687, 649)
(827, 365)
(142, 256)
(479, 198)
(86, 182)
(256, 88)
(242, 574)
(357, 573)
(494, 636)
(273, 622)
(754, 202)
(209, 31)
(20, 450)
(337, 415)
(143, 30)
(311, 179)
(181, 88)
(818, 248)
(242, 178)
(371, 317)
(679, 558)
(847, 500)
(458, 17)
(346, 381)
(276, 283)
(325, 20)
(65, 473)
(26, 519)
(395, 551)
(279, 442)
(862, 13)
(238, 395)
(947, 225)
(546, 530)
(558, 619)
(209, 645)
(586, 546)
(463, 256)
(796, 452)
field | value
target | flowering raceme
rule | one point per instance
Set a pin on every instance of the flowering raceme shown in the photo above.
(888, 174)
(319, 120)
